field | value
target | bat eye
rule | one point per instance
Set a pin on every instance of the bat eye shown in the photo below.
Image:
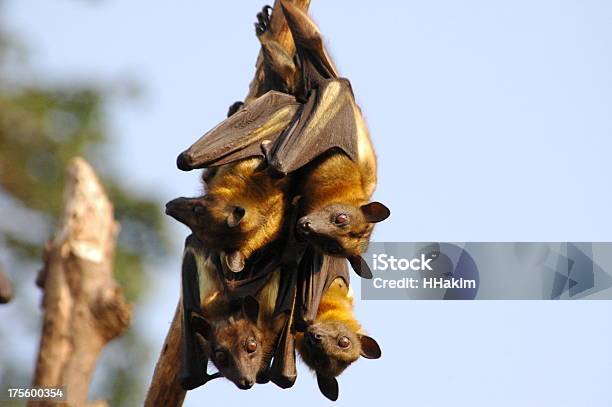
(236, 216)
(251, 345)
(341, 219)
(344, 342)
(198, 209)
(221, 357)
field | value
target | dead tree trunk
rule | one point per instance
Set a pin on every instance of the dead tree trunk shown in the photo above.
(165, 388)
(84, 307)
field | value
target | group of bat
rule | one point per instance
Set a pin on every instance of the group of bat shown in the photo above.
(288, 177)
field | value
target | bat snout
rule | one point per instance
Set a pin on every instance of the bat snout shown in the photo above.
(179, 209)
(244, 384)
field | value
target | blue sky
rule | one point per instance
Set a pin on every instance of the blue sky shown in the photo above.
(492, 122)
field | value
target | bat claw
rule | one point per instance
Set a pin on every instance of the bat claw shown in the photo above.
(213, 376)
(263, 21)
(190, 383)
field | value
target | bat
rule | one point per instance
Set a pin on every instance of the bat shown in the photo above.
(333, 340)
(239, 325)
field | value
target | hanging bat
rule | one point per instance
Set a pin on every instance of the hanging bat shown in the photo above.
(334, 339)
(239, 336)
(337, 181)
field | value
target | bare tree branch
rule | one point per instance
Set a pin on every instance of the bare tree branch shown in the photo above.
(84, 307)
(165, 388)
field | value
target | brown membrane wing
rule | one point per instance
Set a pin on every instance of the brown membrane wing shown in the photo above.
(327, 121)
(317, 272)
(308, 38)
(240, 135)
(193, 360)
(283, 371)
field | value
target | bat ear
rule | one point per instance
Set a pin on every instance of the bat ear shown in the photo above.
(375, 212)
(250, 309)
(360, 266)
(236, 216)
(369, 347)
(235, 261)
(201, 325)
(328, 386)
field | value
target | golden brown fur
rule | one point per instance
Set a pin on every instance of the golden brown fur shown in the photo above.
(264, 199)
(333, 179)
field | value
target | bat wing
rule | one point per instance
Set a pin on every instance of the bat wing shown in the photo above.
(193, 360)
(317, 272)
(240, 135)
(283, 371)
(308, 39)
(330, 119)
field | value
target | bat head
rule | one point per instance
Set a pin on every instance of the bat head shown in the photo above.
(234, 344)
(213, 222)
(329, 347)
(342, 229)
(242, 211)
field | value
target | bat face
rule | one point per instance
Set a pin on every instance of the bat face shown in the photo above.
(234, 344)
(329, 347)
(342, 229)
(215, 223)
(236, 350)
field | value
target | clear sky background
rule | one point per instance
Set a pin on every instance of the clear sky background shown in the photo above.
(492, 121)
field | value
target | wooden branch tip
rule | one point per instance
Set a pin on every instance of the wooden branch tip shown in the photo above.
(84, 307)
